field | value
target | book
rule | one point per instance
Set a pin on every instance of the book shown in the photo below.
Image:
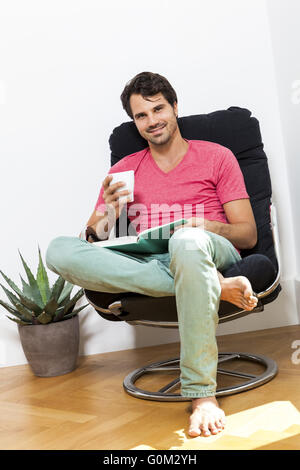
(151, 240)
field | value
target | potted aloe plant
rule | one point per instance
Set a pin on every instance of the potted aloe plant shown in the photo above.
(47, 321)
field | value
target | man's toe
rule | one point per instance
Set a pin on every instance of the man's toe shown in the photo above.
(219, 424)
(213, 428)
(194, 432)
(205, 430)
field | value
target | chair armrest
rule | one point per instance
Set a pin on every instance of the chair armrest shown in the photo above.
(275, 233)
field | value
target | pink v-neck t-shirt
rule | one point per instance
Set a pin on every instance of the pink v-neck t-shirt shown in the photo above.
(207, 177)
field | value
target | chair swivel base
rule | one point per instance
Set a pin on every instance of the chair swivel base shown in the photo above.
(247, 380)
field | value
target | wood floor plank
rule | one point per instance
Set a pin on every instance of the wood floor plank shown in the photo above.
(89, 409)
(44, 412)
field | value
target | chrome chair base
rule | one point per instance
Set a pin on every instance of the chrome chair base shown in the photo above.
(248, 380)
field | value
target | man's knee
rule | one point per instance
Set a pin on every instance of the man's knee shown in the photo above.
(58, 252)
(187, 241)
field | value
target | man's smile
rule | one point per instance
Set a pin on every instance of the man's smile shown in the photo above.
(157, 130)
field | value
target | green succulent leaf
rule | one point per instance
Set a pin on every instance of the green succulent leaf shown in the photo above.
(33, 284)
(30, 293)
(42, 280)
(11, 284)
(18, 321)
(13, 299)
(59, 314)
(57, 288)
(26, 288)
(64, 303)
(27, 314)
(15, 312)
(30, 276)
(7, 307)
(30, 304)
(23, 299)
(69, 315)
(65, 295)
(44, 318)
(51, 307)
(73, 301)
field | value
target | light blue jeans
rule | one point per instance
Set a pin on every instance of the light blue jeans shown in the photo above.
(188, 270)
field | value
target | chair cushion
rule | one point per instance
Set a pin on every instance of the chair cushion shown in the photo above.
(237, 130)
(257, 268)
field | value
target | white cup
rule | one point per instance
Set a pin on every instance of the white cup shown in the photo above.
(128, 178)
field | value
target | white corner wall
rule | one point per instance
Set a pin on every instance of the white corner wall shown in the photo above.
(63, 67)
(284, 20)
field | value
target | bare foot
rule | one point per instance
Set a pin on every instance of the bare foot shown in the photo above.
(238, 291)
(207, 417)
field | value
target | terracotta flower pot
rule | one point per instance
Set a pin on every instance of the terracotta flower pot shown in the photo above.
(51, 349)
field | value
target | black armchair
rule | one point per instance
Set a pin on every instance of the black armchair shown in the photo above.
(237, 130)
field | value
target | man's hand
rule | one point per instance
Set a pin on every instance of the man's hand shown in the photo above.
(114, 200)
(100, 224)
(91, 235)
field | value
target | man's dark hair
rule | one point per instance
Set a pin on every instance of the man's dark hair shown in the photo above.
(147, 84)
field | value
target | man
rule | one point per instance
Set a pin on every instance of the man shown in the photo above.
(172, 169)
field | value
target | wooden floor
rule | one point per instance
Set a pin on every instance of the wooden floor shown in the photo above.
(88, 408)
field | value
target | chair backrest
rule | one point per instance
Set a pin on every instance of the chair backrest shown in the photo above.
(235, 129)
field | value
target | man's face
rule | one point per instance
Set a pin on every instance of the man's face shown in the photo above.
(154, 117)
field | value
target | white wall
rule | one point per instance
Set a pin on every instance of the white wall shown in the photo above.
(63, 67)
(285, 33)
